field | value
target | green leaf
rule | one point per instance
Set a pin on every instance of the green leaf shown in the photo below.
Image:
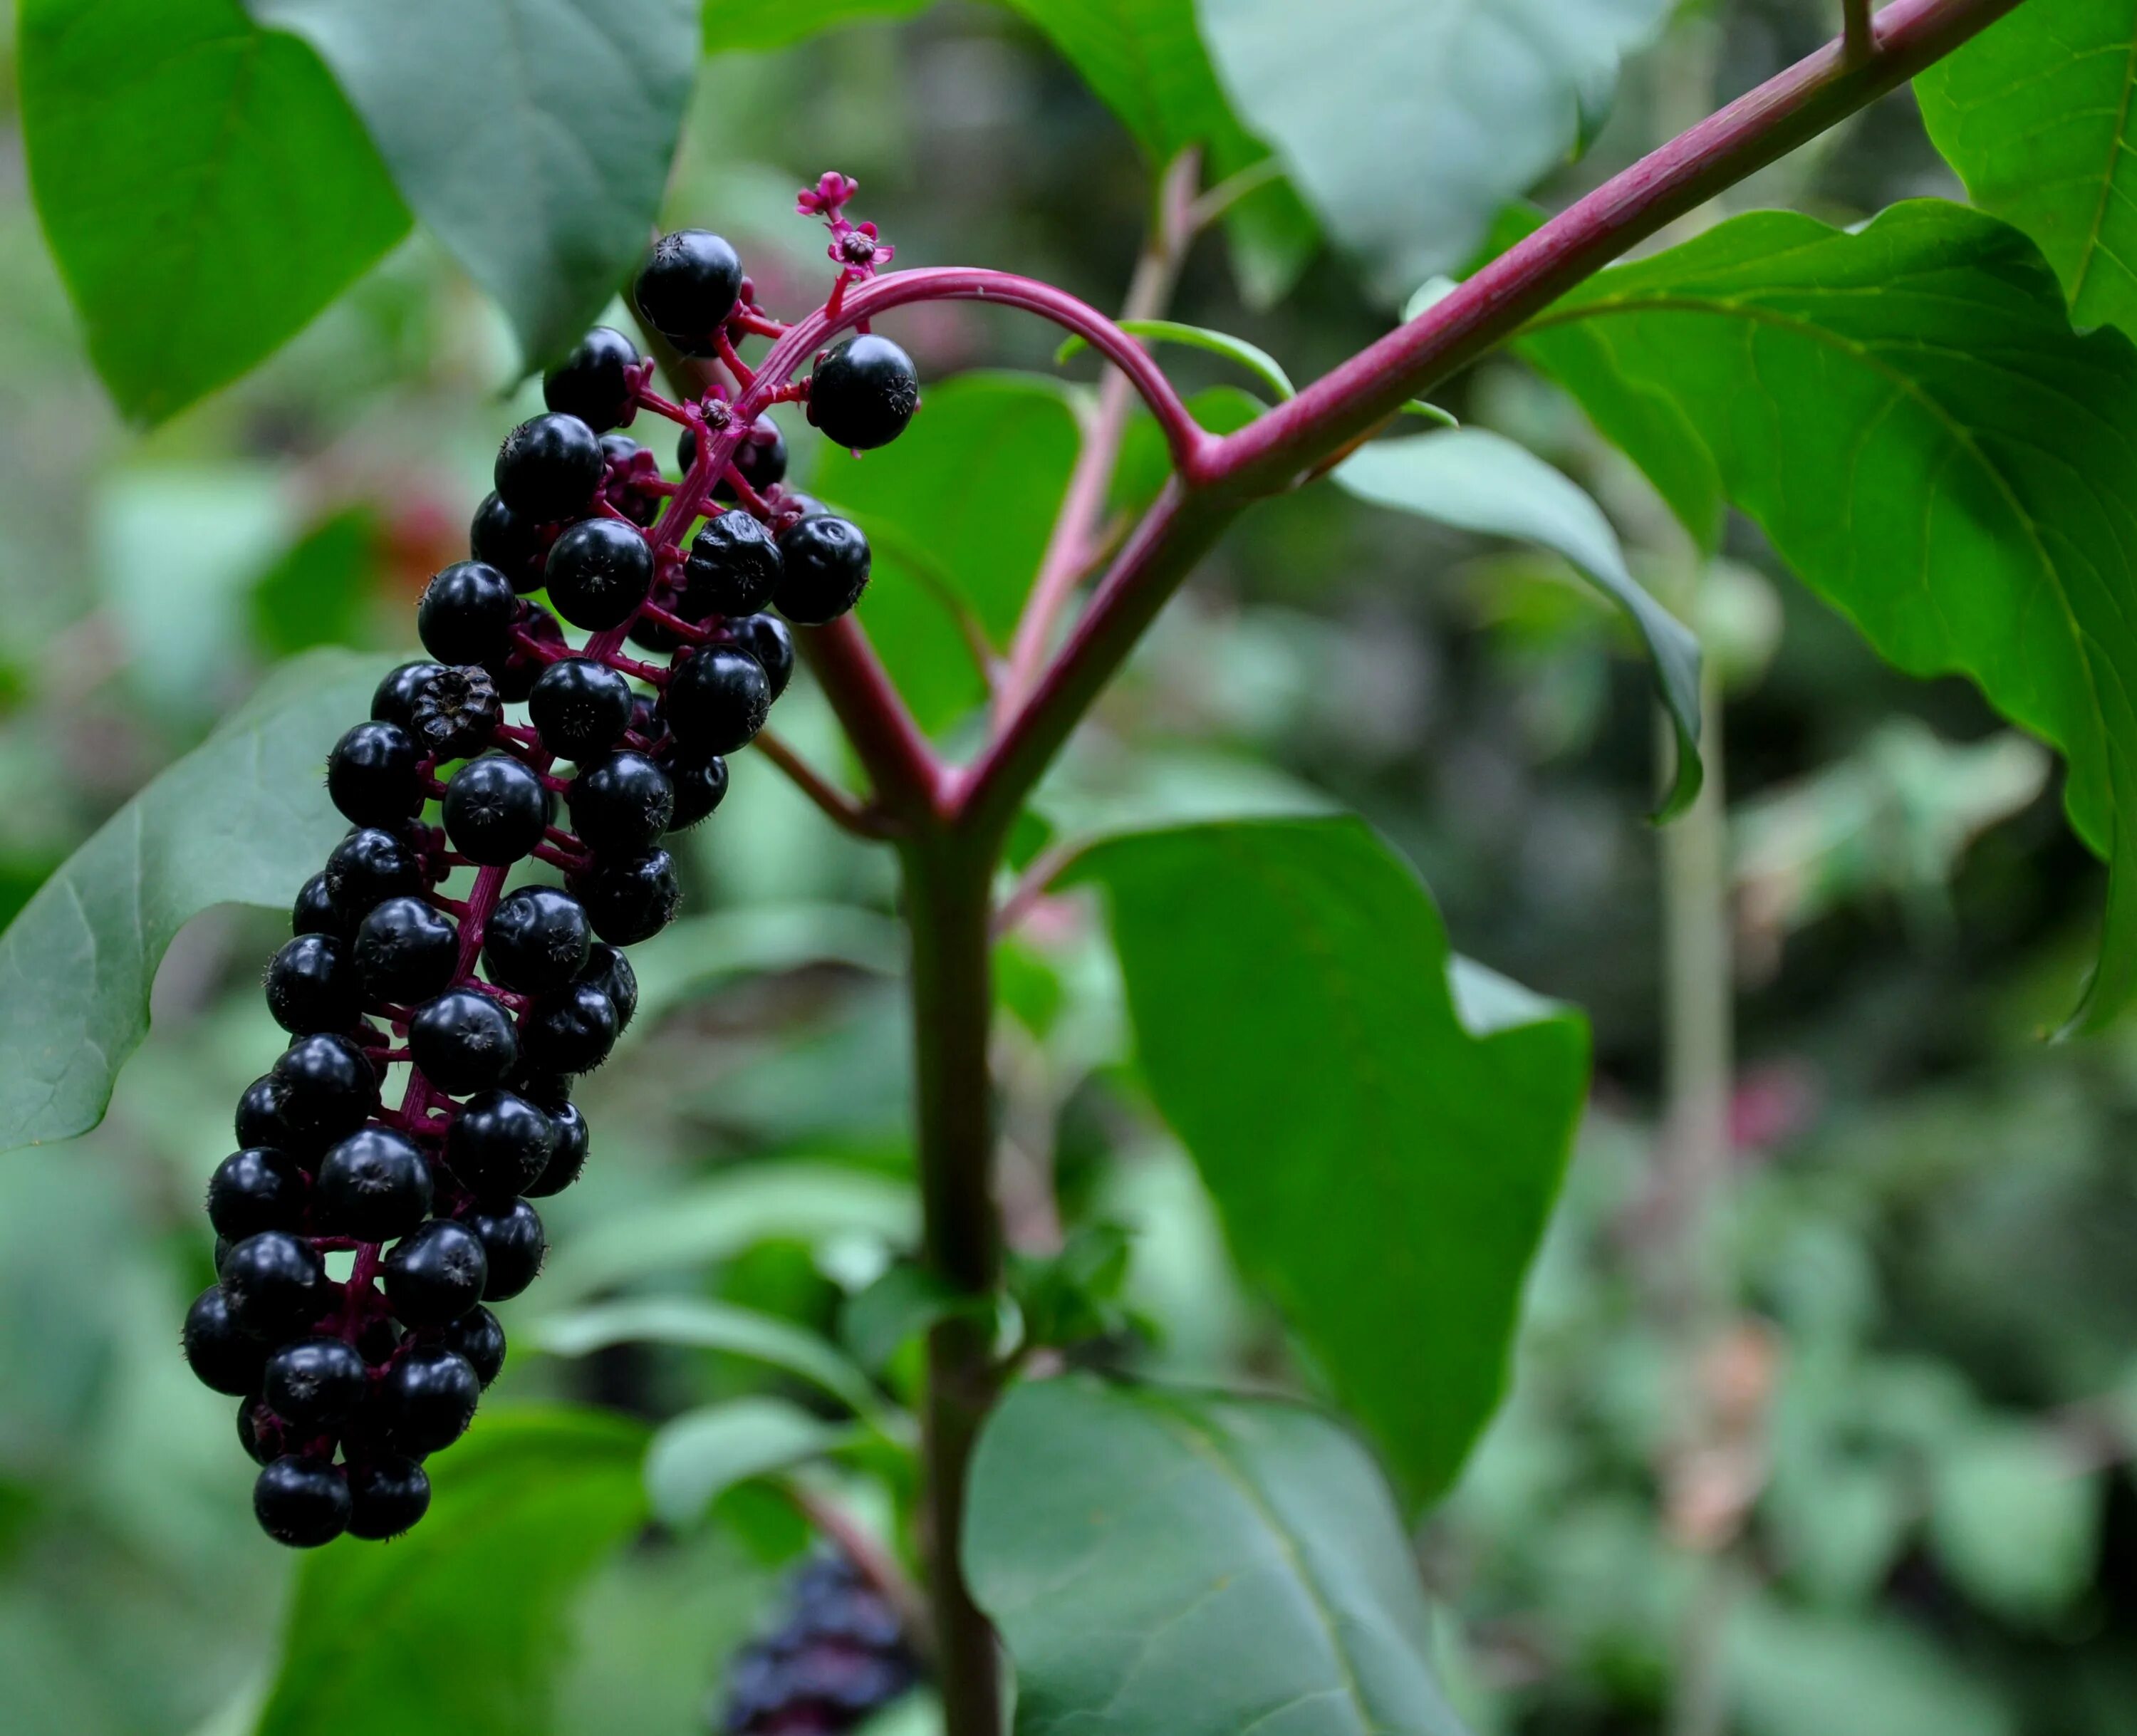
(458, 1629)
(905, 1302)
(1822, 380)
(704, 1325)
(1472, 103)
(1252, 357)
(689, 957)
(532, 136)
(204, 188)
(702, 1453)
(2014, 1522)
(1170, 1564)
(1486, 484)
(1146, 62)
(719, 1218)
(752, 25)
(2036, 115)
(242, 819)
(961, 508)
(317, 594)
(1073, 1296)
(1391, 1209)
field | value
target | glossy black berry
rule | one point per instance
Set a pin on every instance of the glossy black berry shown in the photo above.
(839, 1655)
(499, 538)
(631, 899)
(393, 700)
(329, 1085)
(547, 469)
(405, 951)
(569, 1157)
(580, 708)
(477, 1336)
(314, 1384)
(570, 1032)
(387, 1494)
(516, 672)
(500, 1144)
(596, 382)
(435, 1275)
(864, 393)
(368, 867)
(537, 939)
(301, 1500)
(687, 287)
(255, 1189)
(717, 700)
(463, 1042)
(622, 803)
(514, 1244)
(767, 639)
(371, 775)
(700, 781)
(609, 970)
(457, 712)
(315, 911)
(826, 568)
(275, 1285)
(260, 1120)
(495, 810)
(374, 1185)
(733, 569)
(223, 1356)
(428, 1397)
(466, 612)
(760, 458)
(599, 573)
(312, 985)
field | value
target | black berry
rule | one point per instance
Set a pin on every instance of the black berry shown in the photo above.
(864, 393)
(733, 568)
(620, 803)
(466, 612)
(457, 712)
(700, 781)
(581, 709)
(761, 460)
(495, 810)
(312, 985)
(300, 1500)
(375, 1185)
(514, 546)
(314, 1384)
(514, 1243)
(547, 469)
(569, 1033)
(717, 699)
(258, 1431)
(516, 671)
(767, 639)
(630, 899)
(260, 1120)
(371, 775)
(387, 1494)
(315, 911)
(255, 1189)
(570, 1156)
(274, 1286)
(463, 1042)
(477, 1336)
(367, 868)
(223, 1356)
(596, 382)
(610, 971)
(428, 1397)
(826, 568)
(329, 1085)
(599, 573)
(500, 1144)
(537, 939)
(687, 287)
(435, 1275)
(394, 698)
(405, 951)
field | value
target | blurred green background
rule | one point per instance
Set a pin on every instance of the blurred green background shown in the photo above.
(1832, 1436)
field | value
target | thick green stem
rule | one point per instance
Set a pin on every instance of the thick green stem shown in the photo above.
(948, 879)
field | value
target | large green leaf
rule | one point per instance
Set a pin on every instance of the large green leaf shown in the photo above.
(204, 188)
(1906, 412)
(1170, 1564)
(1384, 1159)
(751, 24)
(242, 819)
(532, 136)
(702, 1453)
(960, 511)
(1481, 482)
(1145, 60)
(2035, 115)
(1471, 102)
(458, 1629)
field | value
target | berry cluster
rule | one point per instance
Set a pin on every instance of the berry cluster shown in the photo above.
(483, 1007)
(838, 1657)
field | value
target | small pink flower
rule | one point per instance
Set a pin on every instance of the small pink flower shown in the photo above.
(831, 192)
(858, 249)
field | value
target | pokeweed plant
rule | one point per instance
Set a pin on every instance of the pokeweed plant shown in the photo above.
(1905, 409)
